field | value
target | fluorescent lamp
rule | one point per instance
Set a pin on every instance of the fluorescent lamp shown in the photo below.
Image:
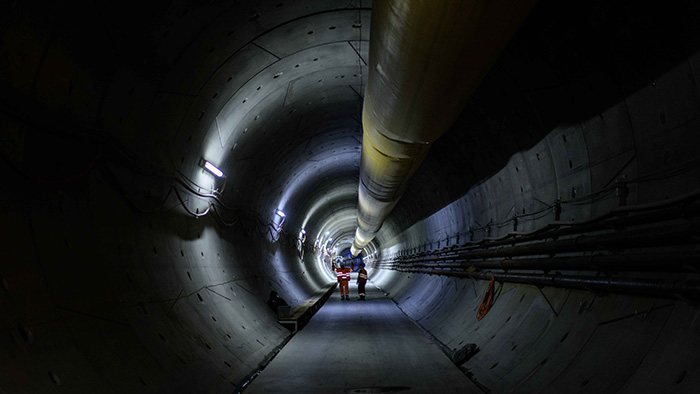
(212, 168)
(280, 213)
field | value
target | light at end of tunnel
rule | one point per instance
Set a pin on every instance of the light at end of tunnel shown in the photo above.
(280, 214)
(213, 169)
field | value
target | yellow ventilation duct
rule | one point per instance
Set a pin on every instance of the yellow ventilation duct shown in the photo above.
(426, 58)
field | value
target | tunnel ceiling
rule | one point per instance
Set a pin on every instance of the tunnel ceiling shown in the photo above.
(269, 91)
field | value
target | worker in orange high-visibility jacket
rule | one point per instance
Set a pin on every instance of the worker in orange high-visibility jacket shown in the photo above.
(343, 275)
(361, 282)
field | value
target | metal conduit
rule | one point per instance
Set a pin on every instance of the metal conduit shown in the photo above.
(686, 208)
(654, 262)
(676, 229)
(426, 58)
(666, 288)
(671, 262)
(558, 229)
(664, 236)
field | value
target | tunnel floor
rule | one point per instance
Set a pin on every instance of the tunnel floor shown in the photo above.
(361, 347)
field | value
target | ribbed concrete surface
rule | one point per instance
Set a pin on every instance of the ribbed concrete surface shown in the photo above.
(361, 347)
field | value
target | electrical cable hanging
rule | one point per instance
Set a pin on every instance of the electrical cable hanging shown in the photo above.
(588, 199)
(260, 226)
(677, 207)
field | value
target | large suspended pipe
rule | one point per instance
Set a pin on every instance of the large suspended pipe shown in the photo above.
(426, 59)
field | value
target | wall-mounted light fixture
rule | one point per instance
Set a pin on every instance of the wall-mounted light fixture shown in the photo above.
(301, 241)
(279, 219)
(211, 168)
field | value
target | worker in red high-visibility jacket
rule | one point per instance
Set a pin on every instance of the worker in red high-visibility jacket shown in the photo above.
(343, 275)
(361, 282)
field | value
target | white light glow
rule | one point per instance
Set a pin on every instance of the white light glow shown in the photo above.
(303, 231)
(280, 213)
(212, 168)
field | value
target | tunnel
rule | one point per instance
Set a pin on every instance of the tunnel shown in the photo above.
(167, 165)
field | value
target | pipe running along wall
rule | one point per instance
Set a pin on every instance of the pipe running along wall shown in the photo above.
(426, 58)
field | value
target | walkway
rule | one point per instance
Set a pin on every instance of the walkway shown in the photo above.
(361, 347)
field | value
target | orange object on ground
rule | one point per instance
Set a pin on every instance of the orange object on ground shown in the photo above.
(487, 302)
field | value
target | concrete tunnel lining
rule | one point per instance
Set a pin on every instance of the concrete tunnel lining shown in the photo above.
(99, 296)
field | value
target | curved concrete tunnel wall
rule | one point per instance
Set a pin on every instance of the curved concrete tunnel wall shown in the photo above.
(103, 296)
(539, 129)
(100, 296)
